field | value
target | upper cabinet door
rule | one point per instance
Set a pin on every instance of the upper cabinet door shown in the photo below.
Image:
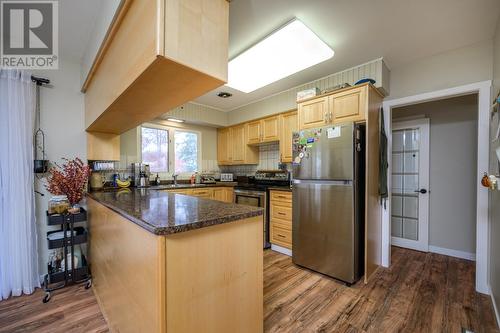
(254, 132)
(349, 105)
(289, 124)
(270, 129)
(239, 143)
(224, 147)
(314, 113)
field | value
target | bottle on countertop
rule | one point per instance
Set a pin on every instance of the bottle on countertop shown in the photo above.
(198, 177)
(157, 180)
(193, 178)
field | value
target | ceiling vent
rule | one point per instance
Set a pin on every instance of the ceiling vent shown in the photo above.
(224, 94)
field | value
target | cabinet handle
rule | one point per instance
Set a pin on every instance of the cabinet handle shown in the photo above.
(282, 236)
(281, 213)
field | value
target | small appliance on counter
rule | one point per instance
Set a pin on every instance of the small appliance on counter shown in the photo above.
(226, 177)
(141, 174)
(207, 179)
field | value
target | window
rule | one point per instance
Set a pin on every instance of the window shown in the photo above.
(155, 148)
(170, 150)
(186, 151)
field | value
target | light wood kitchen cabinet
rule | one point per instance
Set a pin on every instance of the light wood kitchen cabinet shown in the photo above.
(350, 105)
(263, 130)
(103, 147)
(242, 152)
(314, 113)
(156, 57)
(345, 105)
(289, 124)
(254, 132)
(238, 140)
(207, 193)
(280, 217)
(224, 194)
(270, 129)
(224, 147)
(180, 191)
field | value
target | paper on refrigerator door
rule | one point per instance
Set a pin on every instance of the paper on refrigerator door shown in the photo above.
(333, 132)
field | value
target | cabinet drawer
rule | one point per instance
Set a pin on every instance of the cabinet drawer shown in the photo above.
(185, 192)
(281, 196)
(281, 236)
(203, 193)
(281, 212)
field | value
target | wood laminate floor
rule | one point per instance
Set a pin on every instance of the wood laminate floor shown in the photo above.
(421, 292)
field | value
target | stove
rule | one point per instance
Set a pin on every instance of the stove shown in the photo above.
(253, 191)
(264, 179)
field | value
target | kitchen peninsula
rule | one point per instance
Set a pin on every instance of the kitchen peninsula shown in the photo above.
(164, 262)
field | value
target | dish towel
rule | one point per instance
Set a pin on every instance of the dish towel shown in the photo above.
(383, 164)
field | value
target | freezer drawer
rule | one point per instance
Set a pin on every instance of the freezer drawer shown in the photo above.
(324, 232)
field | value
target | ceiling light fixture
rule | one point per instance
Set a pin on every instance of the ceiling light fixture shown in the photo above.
(175, 120)
(292, 48)
(224, 94)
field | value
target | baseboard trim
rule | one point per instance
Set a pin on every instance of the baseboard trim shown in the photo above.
(495, 309)
(452, 253)
(281, 249)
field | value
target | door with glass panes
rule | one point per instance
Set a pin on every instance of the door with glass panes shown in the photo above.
(410, 184)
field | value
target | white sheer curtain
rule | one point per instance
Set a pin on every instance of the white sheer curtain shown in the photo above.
(18, 238)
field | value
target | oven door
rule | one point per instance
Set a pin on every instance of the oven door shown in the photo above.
(255, 199)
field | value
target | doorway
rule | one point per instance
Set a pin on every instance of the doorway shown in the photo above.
(483, 91)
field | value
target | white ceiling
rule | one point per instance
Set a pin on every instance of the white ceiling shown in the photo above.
(76, 21)
(358, 31)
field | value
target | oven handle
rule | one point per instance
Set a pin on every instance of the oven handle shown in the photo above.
(251, 193)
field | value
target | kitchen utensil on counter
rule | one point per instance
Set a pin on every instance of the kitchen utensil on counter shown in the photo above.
(207, 179)
(97, 181)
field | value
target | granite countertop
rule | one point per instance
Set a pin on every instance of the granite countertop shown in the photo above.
(183, 186)
(164, 213)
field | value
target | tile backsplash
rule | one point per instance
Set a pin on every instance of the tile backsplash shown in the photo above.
(269, 156)
(269, 159)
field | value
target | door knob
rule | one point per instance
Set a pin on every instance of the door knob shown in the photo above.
(421, 191)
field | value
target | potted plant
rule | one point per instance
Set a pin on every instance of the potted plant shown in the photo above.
(67, 183)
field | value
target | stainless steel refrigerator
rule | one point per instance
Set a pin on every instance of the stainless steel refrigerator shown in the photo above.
(328, 200)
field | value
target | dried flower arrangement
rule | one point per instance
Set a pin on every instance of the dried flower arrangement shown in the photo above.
(69, 180)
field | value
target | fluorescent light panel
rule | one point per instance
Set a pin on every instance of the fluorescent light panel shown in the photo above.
(175, 120)
(289, 50)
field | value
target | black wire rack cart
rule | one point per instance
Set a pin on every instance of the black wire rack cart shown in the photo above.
(57, 278)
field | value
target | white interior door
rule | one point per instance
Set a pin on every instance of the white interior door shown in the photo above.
(410, 184)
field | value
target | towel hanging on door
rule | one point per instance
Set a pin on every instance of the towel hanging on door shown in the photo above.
(383, 164)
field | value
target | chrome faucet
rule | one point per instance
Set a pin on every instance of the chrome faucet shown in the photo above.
(174, 177)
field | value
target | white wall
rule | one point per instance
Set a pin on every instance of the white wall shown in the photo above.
(453, 164)
(62, 120)
(453, 68)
